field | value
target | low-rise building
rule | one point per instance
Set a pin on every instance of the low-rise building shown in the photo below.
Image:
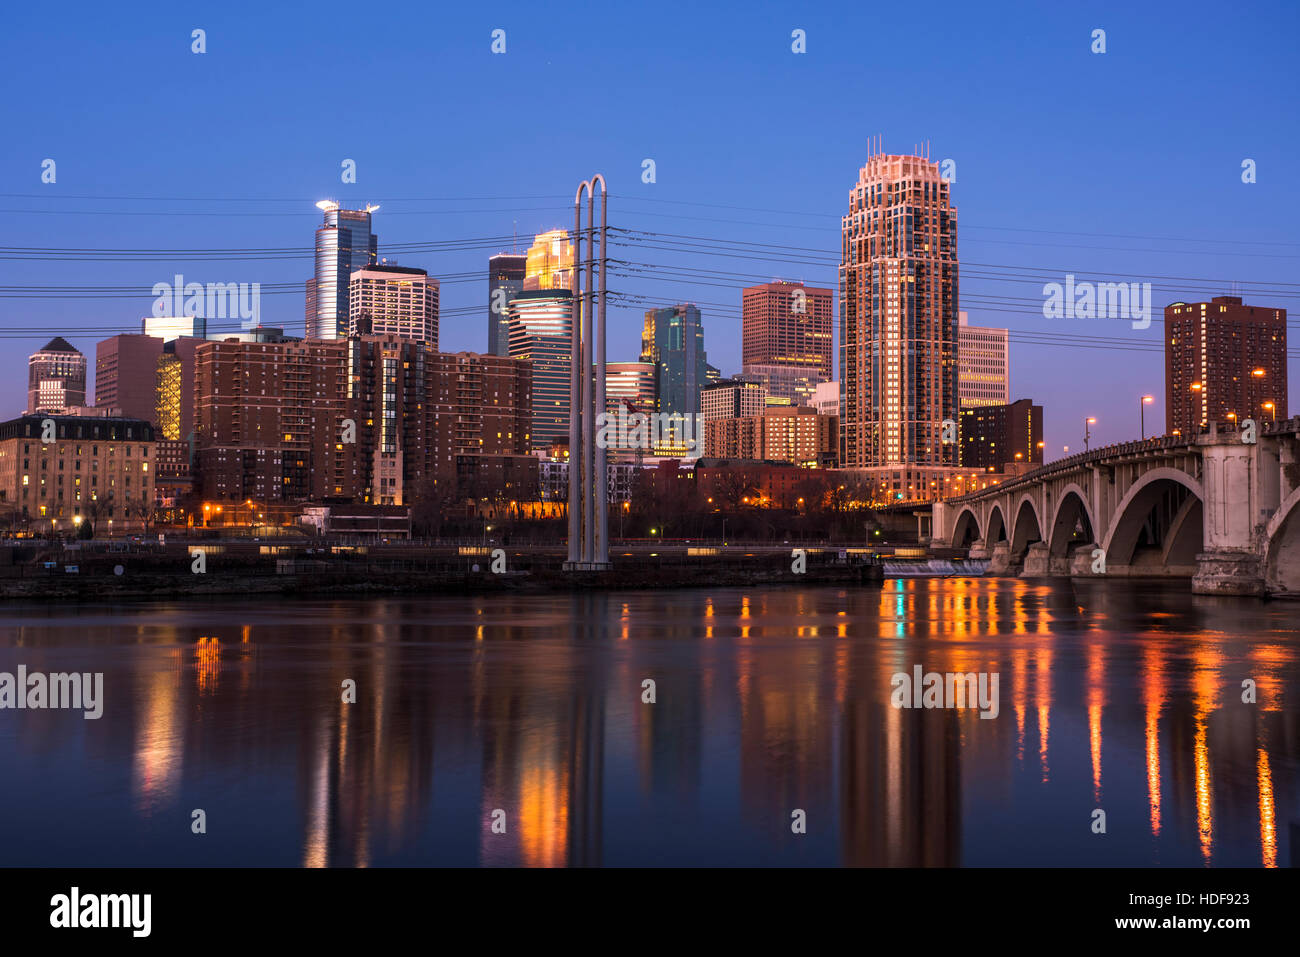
(58, 472)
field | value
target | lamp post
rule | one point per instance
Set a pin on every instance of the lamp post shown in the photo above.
(1088, 423)
(1271, 407)
(1142, 412)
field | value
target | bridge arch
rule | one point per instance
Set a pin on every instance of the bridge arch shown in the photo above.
(1073, 523)
(997, 526)
(1158, 522)
(1028, 526)
(1282, 547)
(966, 530)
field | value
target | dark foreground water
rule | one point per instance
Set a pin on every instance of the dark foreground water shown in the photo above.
(1116, 696)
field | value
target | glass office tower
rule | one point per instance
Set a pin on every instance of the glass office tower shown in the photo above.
(541, 324)
(344, 242)
(505, 283)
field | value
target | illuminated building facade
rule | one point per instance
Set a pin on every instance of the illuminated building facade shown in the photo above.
(1224, 362)
(345, 242)
(385, 299)
(898, 285)
(983, 365)
(734, 398)
(549, 261)
(794, 434)
(788, 324)
(56, 378)
(98, 468)
(541, 324)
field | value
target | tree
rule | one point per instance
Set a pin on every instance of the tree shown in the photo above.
(431, 501)
(734, 485)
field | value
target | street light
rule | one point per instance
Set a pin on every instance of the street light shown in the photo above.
(1087, 431)
(1142, 410)
(1272, 409)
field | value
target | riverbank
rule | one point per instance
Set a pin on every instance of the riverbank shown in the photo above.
(123, 582)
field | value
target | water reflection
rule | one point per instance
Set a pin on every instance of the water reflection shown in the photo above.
(517, 730)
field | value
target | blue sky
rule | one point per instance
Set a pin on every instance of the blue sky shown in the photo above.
(1126, 163)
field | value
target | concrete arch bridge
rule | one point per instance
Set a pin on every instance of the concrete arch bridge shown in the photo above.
(1216, 508)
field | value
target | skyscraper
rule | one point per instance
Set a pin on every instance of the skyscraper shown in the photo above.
(126, 375)
(983, 365)
(673, 339)
(506, 273)
(632, 382)
(898, 309)
(541, 323)
(549, 261)
(393, 300)
(344, 244)
(1224, 361)
(56, 378)
(788, 324)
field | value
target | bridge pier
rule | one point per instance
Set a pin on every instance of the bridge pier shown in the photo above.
(1038, 561)
(1229, 563)
(1081, 562)
(1228, 572)
(1000, 562)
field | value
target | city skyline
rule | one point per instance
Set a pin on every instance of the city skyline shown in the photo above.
(1081, 210)
(900, 469)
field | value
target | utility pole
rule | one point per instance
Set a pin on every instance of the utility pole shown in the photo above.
(588, 479)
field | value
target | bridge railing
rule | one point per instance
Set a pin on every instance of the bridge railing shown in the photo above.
(1154, 444)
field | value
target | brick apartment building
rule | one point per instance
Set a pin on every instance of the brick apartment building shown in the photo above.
(1224, 361)
(374, 419)
(794, 434)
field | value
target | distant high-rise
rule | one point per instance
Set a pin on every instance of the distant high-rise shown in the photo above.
(673, 339)
(788, 324)
(168, 328)
(983, 365)
(1224, 361)
(734, 398)
(792, 384)
(898, 309)
(344, 244)
(993, 436)
(549, 261)
(541, 324)
(393, 300)
(632, 382)
(174, 395)
(126, 375)
(56, 378)
(506, 273)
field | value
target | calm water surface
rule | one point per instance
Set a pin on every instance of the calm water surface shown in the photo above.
(1120, 696)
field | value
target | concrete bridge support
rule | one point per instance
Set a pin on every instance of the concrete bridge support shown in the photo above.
(1230, 563)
